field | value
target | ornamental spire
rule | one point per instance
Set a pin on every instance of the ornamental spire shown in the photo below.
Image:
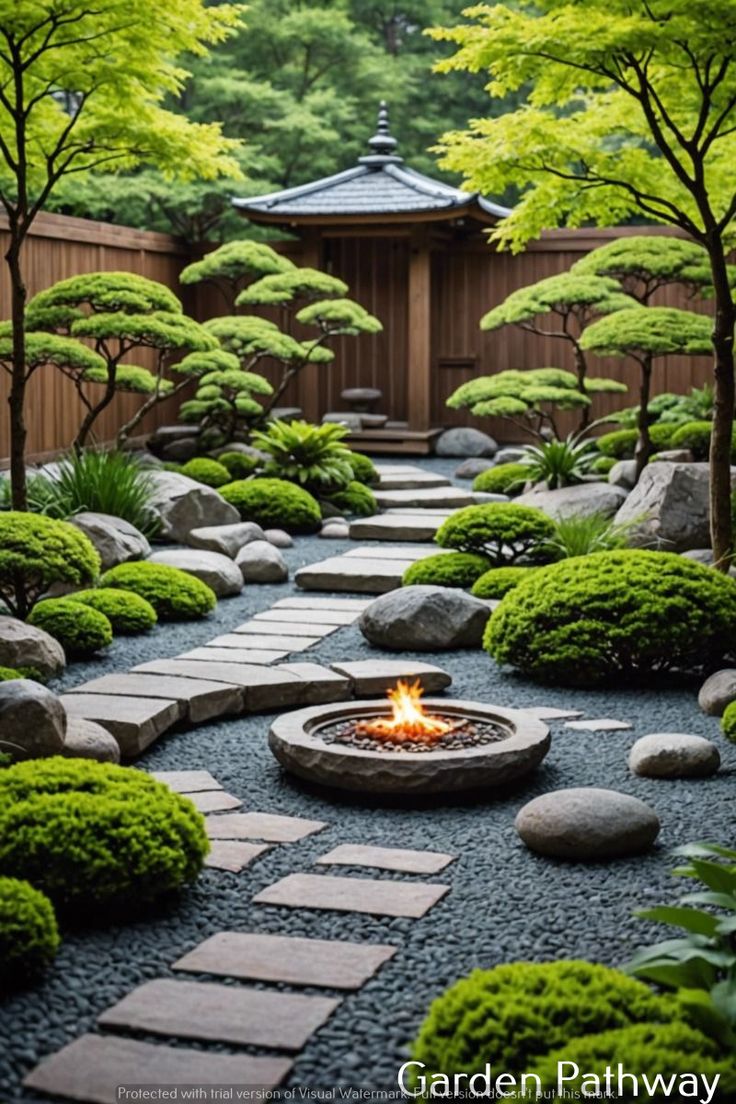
(382, 144)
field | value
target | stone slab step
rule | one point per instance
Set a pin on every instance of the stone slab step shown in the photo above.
(406, 552)
(233, 855)
(199, 699)
(397, 527)
(426, 498)
(386, 858)
(270, 827)
(373, 677)
(187, 781)
(321, 684)
(214, 801)
(397, 469)
(419, 511)
(343, 573)
(289, 644)
(357, 605)
(256, 687)
(372, 896)
(92, 1067)
(291, 628)
(405, 481)
(222, 1013)
(324, 619)
(334, 964)
(262, 657)
(134, 722)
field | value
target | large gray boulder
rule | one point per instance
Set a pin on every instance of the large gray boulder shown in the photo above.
(668, 509)
(674, 755)
(717, 692)
(226, 539)
(465, 441)
(89, 740)
(23, 646)
(261, 562)
(587, 823)
(580, 500)
(182, 504)
(32, 720)
(117, 541)
(425, 619)
(217, 571)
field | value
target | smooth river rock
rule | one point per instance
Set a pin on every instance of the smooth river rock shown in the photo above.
(587, 823)
(580, 500)
(463, 441)
(262, 562)
(425, 619)
(117, 541)
(217, 571)
(32, 720)
(674, 755)
(226, 539)
(718, 691)
(22, 645)
(89, 740)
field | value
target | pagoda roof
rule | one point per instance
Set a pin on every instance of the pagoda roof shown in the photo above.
(379, 187)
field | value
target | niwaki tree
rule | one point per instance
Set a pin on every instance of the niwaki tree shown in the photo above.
(82, 88)
(630, 111)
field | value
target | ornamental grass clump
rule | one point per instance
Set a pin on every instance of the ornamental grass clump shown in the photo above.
(174, 594)
(97, 837)
(615, 616)
(80, 629)
(35, 553)
(314, 456)
(29, 935)
(501, 532)
(452, 569)
(274, 504)
(559, 463)
(127, 612)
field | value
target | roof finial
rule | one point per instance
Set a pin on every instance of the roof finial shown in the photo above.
(382, 142)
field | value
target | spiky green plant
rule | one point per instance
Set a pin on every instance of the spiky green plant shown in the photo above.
(583, 535)
(314, 456)
(560, 463)
(106, 483)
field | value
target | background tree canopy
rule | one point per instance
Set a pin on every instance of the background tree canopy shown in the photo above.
(299, 84)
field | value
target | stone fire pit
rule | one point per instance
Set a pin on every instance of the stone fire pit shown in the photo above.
(304, 744)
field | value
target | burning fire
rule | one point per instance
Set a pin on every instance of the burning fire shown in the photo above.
(408, 721)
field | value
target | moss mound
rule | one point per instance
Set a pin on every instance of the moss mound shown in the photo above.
(502, 479)
(363, 469)
(728, 722)
(174, 595)
(210, 472)
(126, 611)
(499, 581)
(355, 499)
(29, 936)
(80, 630)
(37, 551)
(274, 504)
(238, 464)
(452, 569)
(7, 674)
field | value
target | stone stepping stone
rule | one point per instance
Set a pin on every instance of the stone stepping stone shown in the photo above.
(410, 552)
(397, 527)
(357, 605)
(401, 481)
(333, 964)
(375, 676)
(437, 497)
(92, 1067)
(239, 640)
(397, 469)
(222, 1013)
(599, 724)
(328, 619)
(386, 858)
(134, 722)
(262, 657)
(375, 897)
(545, 713)
(366, 576)
(262, 826)
(284, 628)
(321, 684)
(420, 512)
(233, 855)
(214, 801)
(199, 699)
(256, 687)
(187, 781)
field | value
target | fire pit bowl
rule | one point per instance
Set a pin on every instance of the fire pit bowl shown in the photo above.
(324, 744)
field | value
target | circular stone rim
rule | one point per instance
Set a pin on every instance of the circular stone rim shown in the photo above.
(294, 741)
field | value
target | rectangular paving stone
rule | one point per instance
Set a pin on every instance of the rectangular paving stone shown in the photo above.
(396, 469)
(284, 628)
(549, 713)
(394, 552)
(134, 722)
(600, 724)
(200, 699)
(325, 619)
(437, 497)
(313, 602)
(237, 640)
(372, 677)
(213, 801)
(262, 826)
(367, 576)
(321, 684)
(261, 656)
(397, 527)
(294, 961)
(258, 687)
(376, 897)
(233, 855)
(386, 858)
(92, 1067)
(187, 781)
(400, 481)
(222, 1013)
(420, 512)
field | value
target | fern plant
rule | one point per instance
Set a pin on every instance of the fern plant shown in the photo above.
(560, 463)
(314, 456)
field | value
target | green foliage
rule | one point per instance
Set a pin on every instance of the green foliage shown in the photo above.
(339, 316)
(364, 470)
(602, 465)
(619, 444)
(696, 437)
(36, 552)
(236, 260)
(452, 569)
(615, 616)
(116, 292)
(127, 612)
(209, 472)
(130, 378)
(224, 398)
(174, 595)
(656, 331)
(80, 629)
(113, 483)
(286, 287)
(728, 722)
(644, 262)
(274, 504)
(502, 479)
(559, 463)
(355, 499)
(29, 935)
(499, 581)
(502, 532)
(94, 836)
(522, 1011)
(238, 464)
(42, 349)
(40, 493)
(9, 674)
(314, 456)
(585, 534)
(566, 293)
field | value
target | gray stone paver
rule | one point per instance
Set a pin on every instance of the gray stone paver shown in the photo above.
(262, 826)
(259, 687)
(134, 722)
(213, 801)
(240, 640)
(549, 713)
(367, 895)
(343, 573)
(93, 1066)
(284, 628)
(375, 676)
(323, 619)
(261, 656)
(402, 527)
(313, 602)
(295, 961)
(598, 724)
(400, 481)
(386, 858)
(233, 855)
(321, 684)
(427, 498)
(410, 552)
(187, 781)
(223, 1013)
(200, 699)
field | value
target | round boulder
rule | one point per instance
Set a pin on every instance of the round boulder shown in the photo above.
(116, 540)
(213, 568)
(32, 720)
(425, 619)
(473, 466)
(335, 529)
(673, 755)
(465, 441)
(587, 823)
(279, 538)
(261, 562)
(22, 645)
(226, 539)
(89, 740)
(718, 691)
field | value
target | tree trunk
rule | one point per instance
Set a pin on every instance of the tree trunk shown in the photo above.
(723, 411)
(644, 443)
(581, 371)
(284, 382)
(152, 401)
(94, 412)
(19, 376)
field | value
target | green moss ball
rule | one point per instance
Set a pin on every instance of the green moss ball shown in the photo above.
(502, 479)
(728, 722)
(126, 611)
(239, 464)
(451, 569)
(274, 504)
(499, 581)
(364, 470)
(174, 594)
(29, 936)
(36, 552)
(80, 630)
(210, 472)
(355, 499)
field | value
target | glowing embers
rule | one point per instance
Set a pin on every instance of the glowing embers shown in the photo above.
(409, 719)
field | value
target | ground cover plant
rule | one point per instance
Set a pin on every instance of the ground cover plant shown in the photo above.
(36, 552)
(174, 594)
(274, 504)
(29, 935)
(127, 612)
(81, 630)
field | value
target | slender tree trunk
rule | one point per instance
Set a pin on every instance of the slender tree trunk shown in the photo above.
(19, 377)
(94, 412)
(153, 400)
(723, 411)
(581, 371)
(644, 442)
(284, 382)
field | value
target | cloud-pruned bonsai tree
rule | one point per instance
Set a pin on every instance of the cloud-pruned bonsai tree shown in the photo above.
(233, 265)
(528, 398)
(645, 335)
(224, 400)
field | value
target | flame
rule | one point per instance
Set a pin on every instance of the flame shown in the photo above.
(408, 720)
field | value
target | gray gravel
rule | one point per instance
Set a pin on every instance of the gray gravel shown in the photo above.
(505, 904)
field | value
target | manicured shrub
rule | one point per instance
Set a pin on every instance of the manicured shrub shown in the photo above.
(7, 674)
(614, 616)
(500, 531)
(503, 479)
(499, 581)
(619, 444)
(661, 434)
(363, 469)
(93, 835)
(126, 611)
(210, 472)
(522, 1011)
(603, 464)
(81, 630)
(239, 464)
(356, 499)
(696, 437)
(274, 504)
(728, 722)
(174, 595)
(36, 552)
(453, 569)
(29, 936)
